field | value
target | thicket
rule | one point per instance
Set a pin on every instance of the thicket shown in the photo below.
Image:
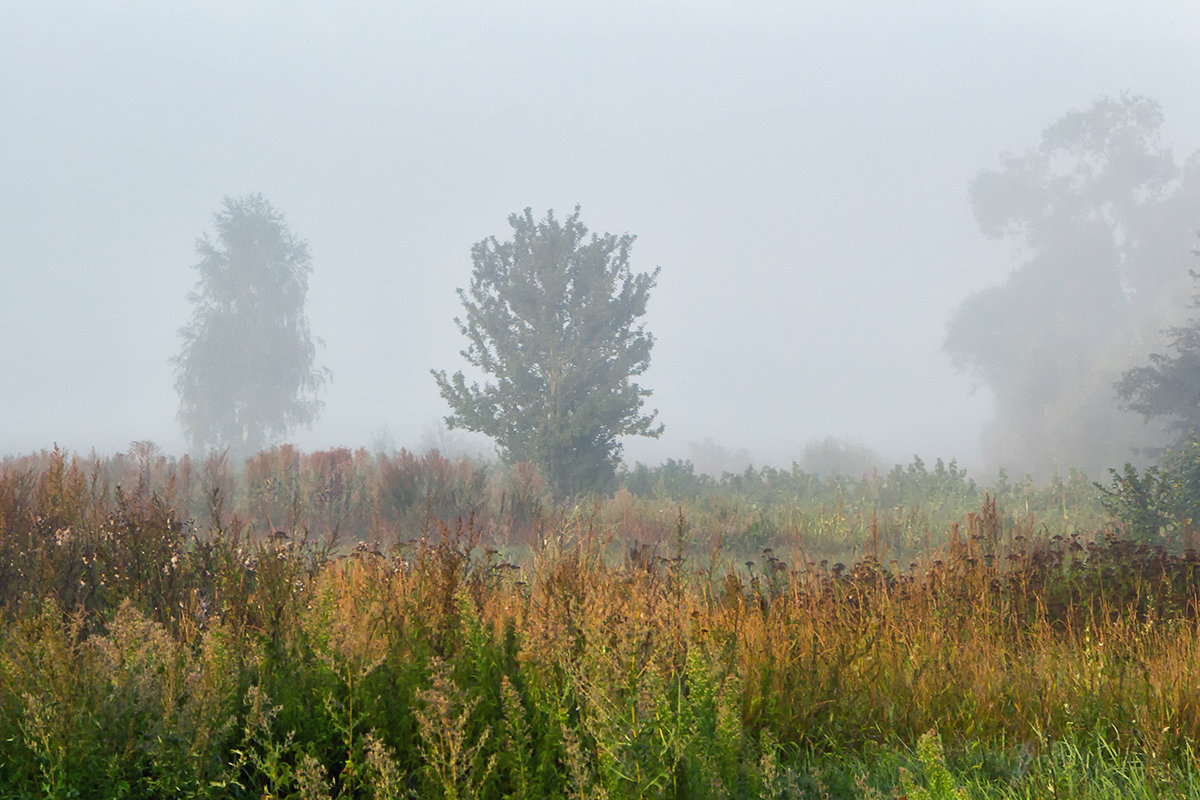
(519, 649)
(1160, 502)
(342, 496)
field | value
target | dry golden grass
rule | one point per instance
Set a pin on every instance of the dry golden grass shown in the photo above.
(138, 653)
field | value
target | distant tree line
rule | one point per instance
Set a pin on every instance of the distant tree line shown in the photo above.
(551, 316)
(1088, 327)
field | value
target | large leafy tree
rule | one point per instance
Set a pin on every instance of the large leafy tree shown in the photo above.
(1169, 386)
(552, 316)
(1089, 209)
(245, 373)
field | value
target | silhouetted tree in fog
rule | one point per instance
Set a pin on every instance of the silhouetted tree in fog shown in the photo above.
(551, 316)
(1088, 208)
(1169, 387)
(245, 374)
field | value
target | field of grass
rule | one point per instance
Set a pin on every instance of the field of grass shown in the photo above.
(346, 624)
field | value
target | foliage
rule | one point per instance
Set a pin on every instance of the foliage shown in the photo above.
(832, 457)
(1170, 386)
(1161, 501)
(941, 784)
(340, 496)
(245, 373)
(552, 316)
(441, 667)
(676, 480)
(1099, 210)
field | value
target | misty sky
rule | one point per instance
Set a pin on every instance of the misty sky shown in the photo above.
(798, 169)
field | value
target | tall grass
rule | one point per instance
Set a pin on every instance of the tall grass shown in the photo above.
(159, 638)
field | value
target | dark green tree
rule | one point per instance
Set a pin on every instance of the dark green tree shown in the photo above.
(552, 316)
(245, 374)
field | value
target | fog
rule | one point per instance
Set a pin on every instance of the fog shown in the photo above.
(799, 170)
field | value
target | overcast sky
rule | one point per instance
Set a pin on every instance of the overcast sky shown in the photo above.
(798, 169)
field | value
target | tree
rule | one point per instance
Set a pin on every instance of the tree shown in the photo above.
(1169, 387)
(1087, 207)
(552, 316)
(245, 374)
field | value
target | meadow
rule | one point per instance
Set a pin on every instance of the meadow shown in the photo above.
(354, 624)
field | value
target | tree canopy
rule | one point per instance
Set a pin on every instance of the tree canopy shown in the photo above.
(245, 374)
(1169, 386)
(1096, 211)
(552, 316)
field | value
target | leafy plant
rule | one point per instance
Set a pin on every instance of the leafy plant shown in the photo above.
(939, 783)
(1161, 500)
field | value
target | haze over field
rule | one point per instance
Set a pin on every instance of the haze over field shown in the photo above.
(799, 170)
